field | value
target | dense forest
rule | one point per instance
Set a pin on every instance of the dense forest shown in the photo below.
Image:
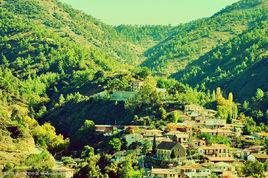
(63, 71)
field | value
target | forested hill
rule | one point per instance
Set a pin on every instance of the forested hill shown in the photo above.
(146, 35)
(62, 67)
(79, 28)
(49, 50)
(195, 39)
(240, 65)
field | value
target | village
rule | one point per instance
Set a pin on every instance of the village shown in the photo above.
(187, 149)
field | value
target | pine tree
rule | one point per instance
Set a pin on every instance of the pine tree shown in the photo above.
(230, 97)
(154, 146)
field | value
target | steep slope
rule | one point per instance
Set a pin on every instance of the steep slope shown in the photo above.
(50, 50)
(191, 41)
(239, 65)
(77, 27)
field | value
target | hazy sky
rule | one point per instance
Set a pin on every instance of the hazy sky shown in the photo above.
(149, 11)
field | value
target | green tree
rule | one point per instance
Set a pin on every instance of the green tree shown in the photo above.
(61, 99)
(230, 97)
(154, 145)
(87, 152)
(253, 169)
(128, 171)
(115, 144)
(40, 162)
(162, 113)
(259, 94)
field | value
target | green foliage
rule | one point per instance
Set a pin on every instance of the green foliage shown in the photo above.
(115, 144)
(231, 65)
(254, 169)
(40, 162)
(46, 137)
(147, 100)
(86, 133)
(190, 41)
(250, 126)
(128, 169)
(257, 107)
(87, 152)
(215, 139)
(68, 161)
(144, 34)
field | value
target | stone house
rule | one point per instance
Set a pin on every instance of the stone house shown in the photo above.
(151, 133)
(215, 123)
(217, 132)
(193, 108)
(170, 150)
(179, 127)
(221, 167)
(178, 136)
(166, 173)
(215, 150)
(105, 128)
(258, 157)
(195, 170)
(198, 143)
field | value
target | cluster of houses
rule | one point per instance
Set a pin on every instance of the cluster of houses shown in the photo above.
(186, 154)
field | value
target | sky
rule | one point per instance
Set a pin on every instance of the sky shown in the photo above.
(141, 12)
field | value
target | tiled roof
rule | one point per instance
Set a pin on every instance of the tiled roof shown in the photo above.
(214, 146)
(220, 159)
(163, 171)
(192, 166)
(166, 145)
(260, 156)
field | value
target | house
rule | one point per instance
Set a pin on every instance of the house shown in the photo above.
(178, 136)
(193, 108)
(134, 128)
(254, 149)
(195, 170)
(217, 159)
(248, 140)
(178, 127)
(105, 128)
(262, 135)
(170, 150)
(215, 150)
(216, 132)
(151, 133)
(259, 157)
(157, 139)
(198, 143)
(209, 113)
(215, 123)
(229, 174)
(184, 128)
(166, 173)
(221, 167)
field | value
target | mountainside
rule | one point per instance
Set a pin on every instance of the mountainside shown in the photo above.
(192, 40)
(49, 50)
(238, 66)
(84, 30)
(146, 35)
(63, 71)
